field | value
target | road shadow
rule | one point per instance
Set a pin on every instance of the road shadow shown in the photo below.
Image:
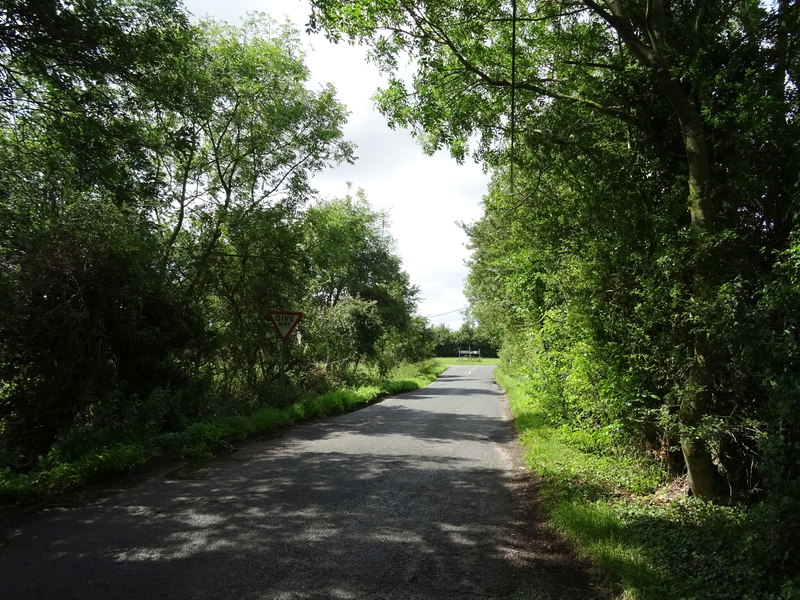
(288, 525)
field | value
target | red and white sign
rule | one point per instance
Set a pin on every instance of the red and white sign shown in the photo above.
(284, 322)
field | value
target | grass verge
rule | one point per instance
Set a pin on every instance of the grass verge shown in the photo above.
(203, 440)
(648, 540)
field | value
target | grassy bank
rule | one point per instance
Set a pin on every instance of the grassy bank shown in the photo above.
(650, 540)
(203, 440)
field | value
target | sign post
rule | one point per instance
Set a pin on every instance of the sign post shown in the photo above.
(284, 323)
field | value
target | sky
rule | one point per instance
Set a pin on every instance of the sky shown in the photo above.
(425, 196)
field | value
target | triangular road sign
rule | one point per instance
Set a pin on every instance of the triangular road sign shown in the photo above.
(284, 322)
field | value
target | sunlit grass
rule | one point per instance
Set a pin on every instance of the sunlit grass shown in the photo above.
(648, 544)
(597, 530)
(577, 487)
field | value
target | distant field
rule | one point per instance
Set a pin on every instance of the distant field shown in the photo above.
(467, 361)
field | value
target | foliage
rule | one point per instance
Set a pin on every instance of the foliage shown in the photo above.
(63, 43)
(84, 303)
(361, 301)
(350, 330)
(412, 344)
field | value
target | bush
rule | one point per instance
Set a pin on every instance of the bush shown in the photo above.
(91, 333)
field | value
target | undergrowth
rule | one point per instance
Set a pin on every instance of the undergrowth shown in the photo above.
(650, 541)
(202, 440)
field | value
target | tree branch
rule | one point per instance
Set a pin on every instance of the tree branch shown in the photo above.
(423, 23)
(619, 21)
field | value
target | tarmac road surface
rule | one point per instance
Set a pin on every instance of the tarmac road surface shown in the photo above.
(420, 496)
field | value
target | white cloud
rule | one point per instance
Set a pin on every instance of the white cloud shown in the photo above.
(425, 195)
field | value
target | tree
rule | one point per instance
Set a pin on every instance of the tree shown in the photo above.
(413, 343)
(90, 329)
(74, 80)
(665, 81)
(250, 138)
(237, 157)
(353, 260)
(258, 266)
(76, 48)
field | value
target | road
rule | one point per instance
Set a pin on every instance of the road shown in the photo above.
(420, 496)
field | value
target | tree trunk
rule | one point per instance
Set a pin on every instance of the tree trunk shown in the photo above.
(705, 479)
